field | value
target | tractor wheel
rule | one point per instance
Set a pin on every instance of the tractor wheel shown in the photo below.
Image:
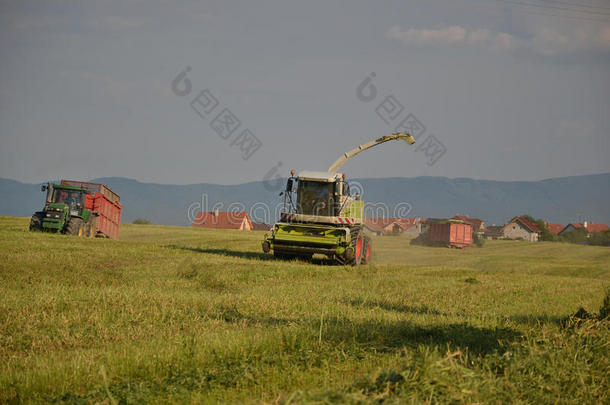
(36, 221)
(90, 228)
(75, 227)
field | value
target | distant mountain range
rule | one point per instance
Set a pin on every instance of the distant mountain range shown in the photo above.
(557, 200)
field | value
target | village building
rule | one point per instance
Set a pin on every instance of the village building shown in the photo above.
(223, 220)
(590, 227)
(554, 228)
(521, 228)
(410, 227)
(261, 226)
(478, 225)
(493, 232)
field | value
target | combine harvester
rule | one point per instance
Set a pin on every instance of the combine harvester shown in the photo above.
(79, 208)
(327, 219)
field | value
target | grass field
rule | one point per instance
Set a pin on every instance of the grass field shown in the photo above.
(170, 314)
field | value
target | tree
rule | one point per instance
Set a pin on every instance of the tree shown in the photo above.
(578, 235)
(478, 239)
(141, 221)
(600, 238)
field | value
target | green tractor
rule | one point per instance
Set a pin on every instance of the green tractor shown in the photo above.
(324, 218)
(64, 212)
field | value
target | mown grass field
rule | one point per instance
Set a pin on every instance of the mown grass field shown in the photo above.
(169, 314)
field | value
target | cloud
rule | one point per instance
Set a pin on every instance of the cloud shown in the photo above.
(425, 37)
(546, 40)
(550, 41)
(454, 35)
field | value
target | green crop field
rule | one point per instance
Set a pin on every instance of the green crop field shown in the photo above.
(171, 314)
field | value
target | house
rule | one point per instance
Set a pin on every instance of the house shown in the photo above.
(223, 220)
(521, 228)
(554, 228)
(595, 228)
(478, 225)
(394, 226)
(493, 232)
(591, 228)
(374, 225)
(411, 227)
(261, 226)
(383, 226)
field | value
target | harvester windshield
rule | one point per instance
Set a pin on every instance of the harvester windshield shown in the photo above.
(316, 198)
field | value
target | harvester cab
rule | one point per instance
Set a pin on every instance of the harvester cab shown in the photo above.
(319, 194)
(324, 217)
(64, 211)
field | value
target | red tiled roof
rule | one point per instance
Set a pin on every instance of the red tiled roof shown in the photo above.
(554, 228)
(380, 224)
(383, 222)
(377, 224)
(574, 225)
(221, 220)
(594, 228)
(591, 228)
(526, 223)
(406, 222)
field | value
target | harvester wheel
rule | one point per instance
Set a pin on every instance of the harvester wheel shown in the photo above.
(357, 245)
(36, 221)
(368, 247)
(75, 227)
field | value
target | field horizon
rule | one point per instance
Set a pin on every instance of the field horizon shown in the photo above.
(191, 315)
(556, 200)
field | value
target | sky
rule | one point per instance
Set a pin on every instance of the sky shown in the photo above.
(494, 89)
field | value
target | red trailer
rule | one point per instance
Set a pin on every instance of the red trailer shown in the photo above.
(105, 203)
(450, 233)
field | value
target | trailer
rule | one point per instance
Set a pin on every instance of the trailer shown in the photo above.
(104, 203)
(450, 233)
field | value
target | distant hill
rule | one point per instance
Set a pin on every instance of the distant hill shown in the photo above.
(558, 200)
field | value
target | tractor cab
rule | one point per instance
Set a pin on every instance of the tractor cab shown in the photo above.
(62, 204)
(63, 198)
(73, 199)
